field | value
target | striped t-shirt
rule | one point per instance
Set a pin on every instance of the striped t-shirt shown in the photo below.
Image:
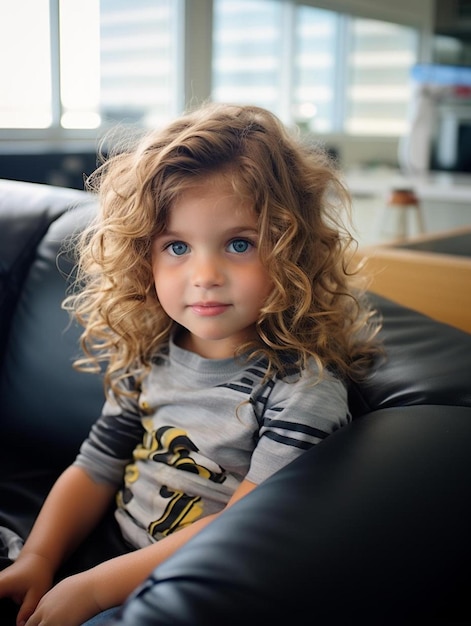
(199, 427)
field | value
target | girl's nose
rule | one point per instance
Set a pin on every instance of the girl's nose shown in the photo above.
(207, 272)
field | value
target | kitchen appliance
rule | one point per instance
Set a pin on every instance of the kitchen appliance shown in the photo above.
(439, 136)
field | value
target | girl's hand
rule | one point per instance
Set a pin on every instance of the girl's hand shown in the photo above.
(69, 603)
(25, 582)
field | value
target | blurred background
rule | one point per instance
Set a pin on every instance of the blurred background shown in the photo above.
(368, 78)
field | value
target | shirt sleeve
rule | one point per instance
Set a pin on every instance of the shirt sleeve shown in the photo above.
(110, 443)
(298, 415)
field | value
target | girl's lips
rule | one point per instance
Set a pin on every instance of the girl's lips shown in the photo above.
(208, 309)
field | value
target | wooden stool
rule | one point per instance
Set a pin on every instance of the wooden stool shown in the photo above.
(404, 201)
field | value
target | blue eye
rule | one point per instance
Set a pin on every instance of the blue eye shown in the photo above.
(239, 245)
(177, 248)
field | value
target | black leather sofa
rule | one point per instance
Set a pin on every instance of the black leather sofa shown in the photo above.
(372, 525)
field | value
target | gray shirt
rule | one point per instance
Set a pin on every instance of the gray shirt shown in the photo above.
(199, 427)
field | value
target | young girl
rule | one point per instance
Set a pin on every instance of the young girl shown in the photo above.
(214, 286)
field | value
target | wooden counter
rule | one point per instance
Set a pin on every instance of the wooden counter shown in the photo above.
(435, 283)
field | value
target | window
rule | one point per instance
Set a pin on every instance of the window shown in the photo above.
(82, 63)
(247, 52)
(139, 68)
(25, 58)
(380, 58)
(321, 69)
(79, 64)
(316, 35)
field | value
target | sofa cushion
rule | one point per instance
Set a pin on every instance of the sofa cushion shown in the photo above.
(26, 212)
(47, 407)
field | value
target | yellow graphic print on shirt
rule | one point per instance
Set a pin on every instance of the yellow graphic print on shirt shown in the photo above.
(173, 447)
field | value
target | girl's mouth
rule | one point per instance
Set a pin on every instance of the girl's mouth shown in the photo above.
(208, 309)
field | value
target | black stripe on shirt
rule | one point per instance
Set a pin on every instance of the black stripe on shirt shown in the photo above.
(296, 427)
(288, 441)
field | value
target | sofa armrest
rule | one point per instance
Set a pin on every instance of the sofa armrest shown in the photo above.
(373, 523)
(424, 362)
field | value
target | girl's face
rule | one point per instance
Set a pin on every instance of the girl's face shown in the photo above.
(207, 271)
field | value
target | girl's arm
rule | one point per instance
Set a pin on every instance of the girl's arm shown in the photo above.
(72, 509)
(111, 582)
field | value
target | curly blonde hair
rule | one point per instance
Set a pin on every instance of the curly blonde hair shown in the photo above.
(315, 310)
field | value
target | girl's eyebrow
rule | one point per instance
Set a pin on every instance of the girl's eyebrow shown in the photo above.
(239, 230)
(230, 232)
